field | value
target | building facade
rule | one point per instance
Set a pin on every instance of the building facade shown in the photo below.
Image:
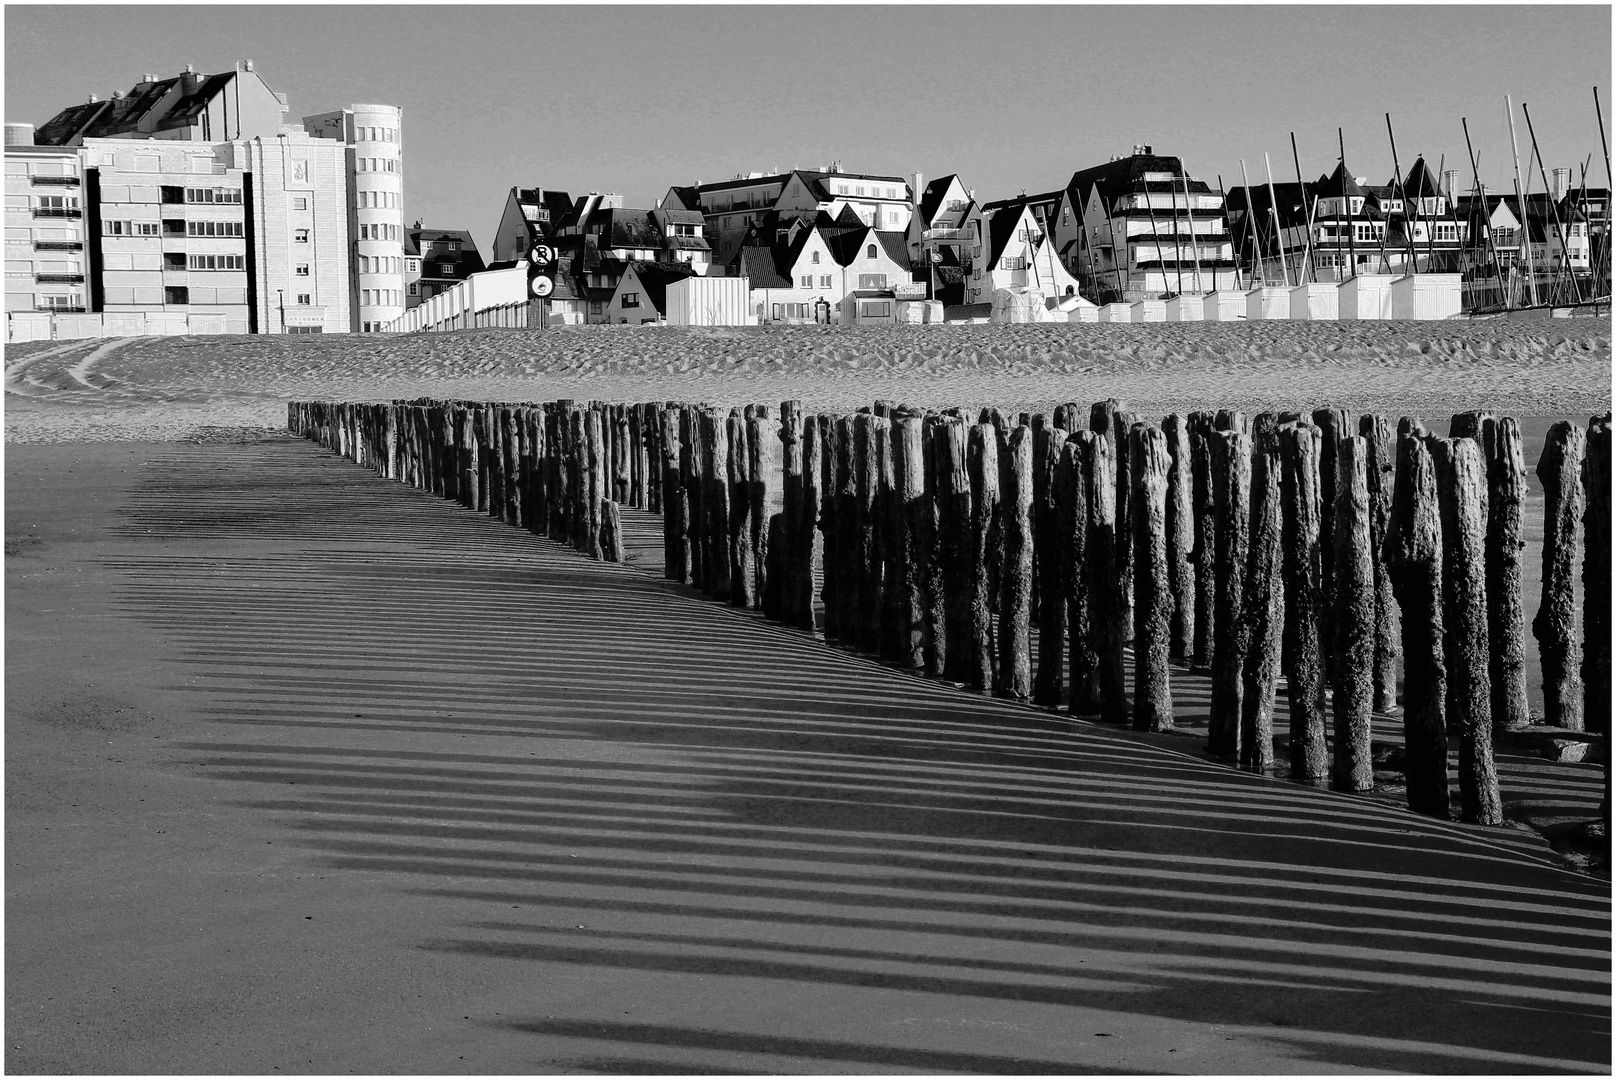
(373, 138)
(530, 215)
(435, 260)
(47, 259)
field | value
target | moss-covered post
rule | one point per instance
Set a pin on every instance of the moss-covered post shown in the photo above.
(1231, 495)
(983, 464)
(1461, 481)
(1380, 443)
(1414, 554)
(1559, 469)
(1506, 615)
(954, 546)
(1304, 681)
(1014, 668)
(1048, 590)
(1353, 616)
(1596, 578)
(1262, 616)
(1149, 466)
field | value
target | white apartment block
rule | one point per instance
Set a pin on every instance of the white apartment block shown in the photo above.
(372, 138)
(46, 259)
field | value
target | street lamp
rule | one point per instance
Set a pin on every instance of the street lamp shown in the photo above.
(282, 293)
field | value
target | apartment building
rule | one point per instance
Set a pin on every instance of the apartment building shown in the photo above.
(46, 256)
(188, 107)
(435, 260)
(373, 139)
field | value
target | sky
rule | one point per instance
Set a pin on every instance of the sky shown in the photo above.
(635, 99)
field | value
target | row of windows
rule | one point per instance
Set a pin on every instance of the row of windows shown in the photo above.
(807, 281)
(130, 228)
(379, 264)
(372, 164)
(220, 262)
(212, 195)
(380, 297)
(376, 134)
(56, 202)
(378, 231)
(214, 228)
(378, 200)
(49, 301)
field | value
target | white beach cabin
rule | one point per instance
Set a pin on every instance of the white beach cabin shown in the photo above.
(1268, 302)
(1425, 296)
(1319, 301)
(1224, 305)
(1365, 296)
(1184, 307)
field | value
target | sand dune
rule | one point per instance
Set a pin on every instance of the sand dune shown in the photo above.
(164, 388)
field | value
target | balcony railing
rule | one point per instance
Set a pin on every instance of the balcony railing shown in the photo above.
(59, 279)
(80, 310)
(943, 234)
(58, 245)
(57, 212)
(56, 181)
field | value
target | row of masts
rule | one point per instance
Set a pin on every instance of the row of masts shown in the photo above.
(1565, 284)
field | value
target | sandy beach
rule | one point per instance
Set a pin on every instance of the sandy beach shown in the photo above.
(307, 771)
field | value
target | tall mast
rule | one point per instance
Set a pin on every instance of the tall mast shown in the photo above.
(1156, 235)
(1520, 196)
(1178, 244)
(1189, 213)
(1402, 191)
(1346, 204)
(1251, 220)
(1554, 212)
(1430, 233)
(1225, 197)
(1307, 209)
(1486, 217)
(1279, 231)
(1604, 239)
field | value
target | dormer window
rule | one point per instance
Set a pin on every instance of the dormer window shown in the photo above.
(869, 252)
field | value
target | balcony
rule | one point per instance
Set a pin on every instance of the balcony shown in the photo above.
(943, 234)
(59, 279)
(64, 310)
(55, 181)
(58, 212)
(58, 245)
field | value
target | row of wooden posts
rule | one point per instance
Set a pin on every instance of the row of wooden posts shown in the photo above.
(1283, 544)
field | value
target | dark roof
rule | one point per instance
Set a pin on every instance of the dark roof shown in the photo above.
(1420, 183)
(688, 197)
(60, 129)
(896, 245)
(1340, 180)
(656, 277)
(845, 244)
(1127, 174)
(931, 198)
(188, 107)
(468, 260)
(1001, 226)
(620, 227)
(757, 263)
(1027, 200)
(126, 112)
(813, 179)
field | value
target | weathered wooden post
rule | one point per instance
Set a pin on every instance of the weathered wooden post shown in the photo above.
(1106, 631)
(1461, 480)
(675, 530)
(693, 477)
(983, 465)
(1596, 581)
(1231, 487)
(764, 503)
(511, 448)
(595, 470)
(466, 446)
(1072, 534)
(810, 495)
(847, 578)
(933, 597)
(1353, 615)
(1332, 425)
(742, 567)
(784, 592)
(1262, 615)
(1559, 469)
(1123, 463)
(909, 527)
(1150, 465)
(868, 442)
(1304, 681)
(1014, 668)
(1205, 529)
(954, 546)
(1180, 536)
(1414, 544)
(716, 502)
(390, 442)
(611, 532)
(831, 451)
(1048, 591)
(1506, 618)
(1380, 465)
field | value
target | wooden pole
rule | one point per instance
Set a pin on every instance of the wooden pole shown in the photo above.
(1153, 598)
(869, 442)
(848, 556)
(675, 527)
(1014, 669)
(1460, 481)
(955, 539)
(1050, 593)
(466, 445)
(1596, 579)
(742, 566)
(934, 597)
(1506, 618)
(715, 502)
(1231, 486)
(1180, 536)
(611, 532)
(1353, 616)
(1332, 425)
(890, 641)
(766, 498)
(1072, 529)
(1123, 422)
(1304, 680)
(1559, 469)
(692, 479)
(1105, 601)
(801, 581)
(983, 461)
(595, 459)
(1262, 616)
(1380, 470)
(907, 518)
(1414, 553)
(786, 594)
(1205, 526)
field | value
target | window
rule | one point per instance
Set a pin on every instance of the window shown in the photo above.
(414, 265)
(876, 309)
(173, 226)
(171, 195)
(415, 288)
(146, 228)
(173, 260)
(218, 262)
(56, 206)
(304, 329)
(872, 281)
(1013, 263)
(304, 299)
(815, 258)
(824, 281)
(807, 281)
(892, 217)
(364, 297)
(117, 228)
(861, 189)
(176, 294)
(211, 195)
(631, 299)
(869, 252)
(300, 236)
(213, 228)
(301, 270)
(446, 269)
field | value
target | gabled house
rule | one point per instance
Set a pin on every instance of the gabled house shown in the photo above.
(530, 215)
(835, 270)
(641, 293)
(435, 260)
(1016, 253)
(938, 218)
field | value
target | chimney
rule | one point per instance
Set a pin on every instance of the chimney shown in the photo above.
(19, 134)
(249, 65)
(148, 78)
(1450, 181)
(1561, 183)
(93, 100)
(189, 70)
(919, 178)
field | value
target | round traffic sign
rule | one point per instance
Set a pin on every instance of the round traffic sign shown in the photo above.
(542, 255)
(543, 286)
